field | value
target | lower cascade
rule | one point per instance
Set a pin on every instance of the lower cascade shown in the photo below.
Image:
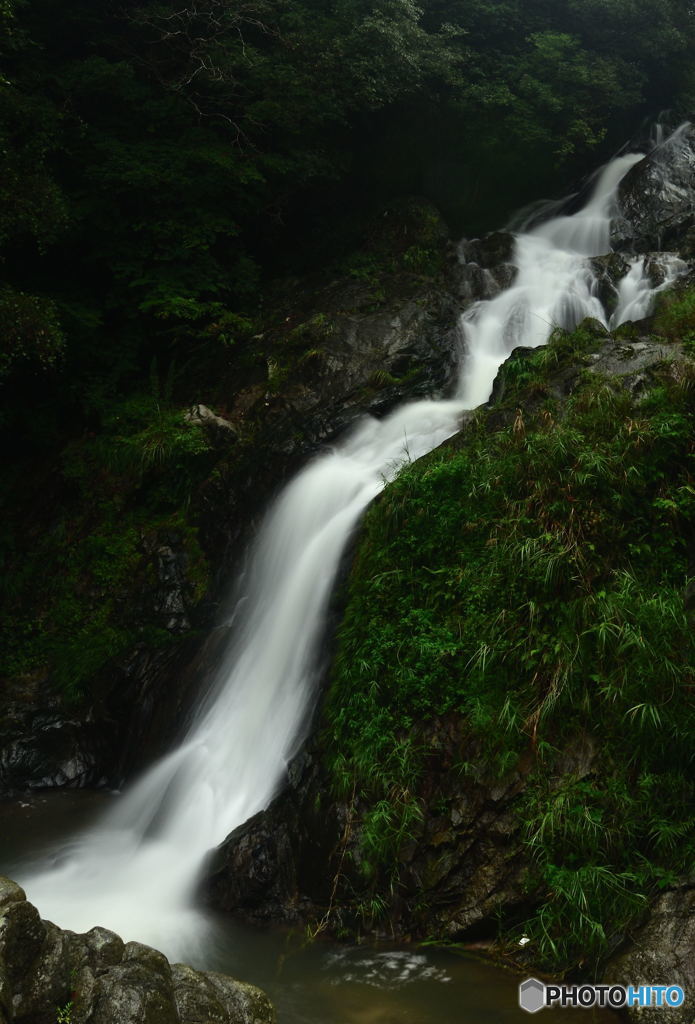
(136, 872)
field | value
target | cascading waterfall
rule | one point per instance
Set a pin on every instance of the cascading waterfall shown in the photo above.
(136, 871)
(636, 290)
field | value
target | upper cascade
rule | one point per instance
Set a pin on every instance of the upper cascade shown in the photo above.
(587, 232)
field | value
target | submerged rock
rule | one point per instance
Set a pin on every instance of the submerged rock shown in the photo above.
(47, 974)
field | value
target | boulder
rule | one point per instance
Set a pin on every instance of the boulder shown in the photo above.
(657, 199)
(486, 266)
(48, 974)
(220, 431)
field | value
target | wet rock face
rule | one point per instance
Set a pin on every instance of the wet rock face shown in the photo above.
(486, 266)
(662, 954)
(609, 271)
(170, 599)
(41, 746)
(657, 199)
(304, 853)
(129, 724)
(368, 363)
(275, 867)
(98, 978)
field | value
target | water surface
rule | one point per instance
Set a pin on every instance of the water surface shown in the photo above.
(319, 983)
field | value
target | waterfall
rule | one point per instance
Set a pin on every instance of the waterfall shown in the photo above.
(137, 869)
(636, 290)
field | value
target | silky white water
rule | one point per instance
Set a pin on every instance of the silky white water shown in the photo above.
(137, 871)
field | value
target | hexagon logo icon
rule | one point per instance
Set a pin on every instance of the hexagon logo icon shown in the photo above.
(531, 995)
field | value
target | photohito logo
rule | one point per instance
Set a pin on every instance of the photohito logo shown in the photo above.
(534, 995)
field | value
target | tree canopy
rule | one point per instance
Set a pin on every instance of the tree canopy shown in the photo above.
(161, 161)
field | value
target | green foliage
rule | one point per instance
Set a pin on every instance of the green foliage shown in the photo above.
(530, 583)
(64, 1013)
(75, 588)
(159, 161)
(675, 318)
(31, 202)
(29, 331)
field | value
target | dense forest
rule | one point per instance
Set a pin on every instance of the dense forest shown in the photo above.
(161, 162)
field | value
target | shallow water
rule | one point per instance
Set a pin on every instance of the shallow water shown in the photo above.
(324, 983)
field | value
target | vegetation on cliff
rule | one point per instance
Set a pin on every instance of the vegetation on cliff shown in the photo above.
(530, 579)
(87, 525)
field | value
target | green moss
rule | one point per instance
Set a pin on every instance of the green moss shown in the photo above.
(425, 261)
(675, 318)
(311, 332)
(530, 583)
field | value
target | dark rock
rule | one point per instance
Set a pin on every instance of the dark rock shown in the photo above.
(491, 250)
(593, 328)
(22, 937)
(41, 747)
(107, 947)
(274, 866)
(486, 266)
(104, 981)
(170, 602)
(609, 271)
(657, 199)
(661, 953)
(363, 360)
(220, 431)
(125, 726)
(633, 361)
